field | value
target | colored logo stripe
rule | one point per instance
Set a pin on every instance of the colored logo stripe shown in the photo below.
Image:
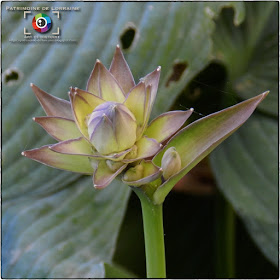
(41, 23)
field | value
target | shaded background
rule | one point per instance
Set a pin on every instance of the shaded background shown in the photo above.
(213, 55)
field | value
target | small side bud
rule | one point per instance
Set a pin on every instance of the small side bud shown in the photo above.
(170, 163)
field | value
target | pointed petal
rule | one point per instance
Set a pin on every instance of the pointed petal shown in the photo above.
(147, 109)
(153, 80)
(78, 146)
(59, 128)
(91, 99)
(53, 106)
(103, 175)
(74, 163)
(165, 125)
(121, 71)
(146, 147)
(109, 87)
(142, 174)
(71, 94)
(135, 102)
(93, 81)
(81, 110)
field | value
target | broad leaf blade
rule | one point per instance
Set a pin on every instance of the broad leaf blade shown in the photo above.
(198, 139)
(250, 52)
(69, 238)
(246, 170)
(250, 55)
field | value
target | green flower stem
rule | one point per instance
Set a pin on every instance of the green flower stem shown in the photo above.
(225, 239)
(154, 236)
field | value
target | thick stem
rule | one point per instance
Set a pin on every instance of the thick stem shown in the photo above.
(154, 236)
(225, 239)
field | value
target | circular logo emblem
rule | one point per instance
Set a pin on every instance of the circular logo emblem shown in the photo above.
(41, 23)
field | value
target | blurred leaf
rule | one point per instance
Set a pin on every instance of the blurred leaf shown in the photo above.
(245, 166)
(250, 52)
(246, 169)
(200, 138)
(70, 233)
(40, 204)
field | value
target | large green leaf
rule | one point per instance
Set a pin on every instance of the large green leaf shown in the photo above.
(250, 52)
(51, 221)
(246, 165)
(69, 232)
(246, 169)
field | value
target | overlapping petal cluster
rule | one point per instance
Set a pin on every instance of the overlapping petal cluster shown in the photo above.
(104, 130)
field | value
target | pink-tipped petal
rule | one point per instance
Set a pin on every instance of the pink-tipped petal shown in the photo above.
(78, 146)
(153, 80)
(109, 87)
(93, 81)
(104, 175)
(74, 163)
(53, 106)
(135, 102)
(142, 174)
(121, 71)
(146, 147)
(71, 94)
(59, 128)
(165, 125)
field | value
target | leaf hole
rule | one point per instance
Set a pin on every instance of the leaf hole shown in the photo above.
(128, 36)
(178, 70)
(11, 76)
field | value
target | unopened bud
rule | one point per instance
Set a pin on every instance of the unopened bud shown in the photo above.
(111, 128)
(170, 163)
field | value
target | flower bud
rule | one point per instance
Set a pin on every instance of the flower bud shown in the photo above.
(111, 128)
(170, 163)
